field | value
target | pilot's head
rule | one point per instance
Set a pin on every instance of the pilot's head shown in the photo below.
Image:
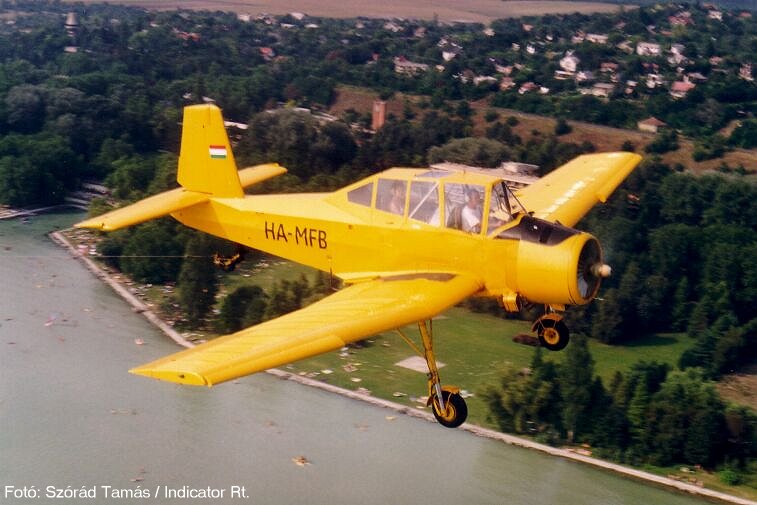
(474, 198)
(398, 189)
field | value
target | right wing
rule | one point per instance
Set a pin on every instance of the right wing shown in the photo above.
(349, 315)
(567, 193)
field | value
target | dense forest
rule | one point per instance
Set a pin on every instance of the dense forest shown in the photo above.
(111, 88)
(103, 99)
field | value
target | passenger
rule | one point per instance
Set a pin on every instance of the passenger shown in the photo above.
(471, 214)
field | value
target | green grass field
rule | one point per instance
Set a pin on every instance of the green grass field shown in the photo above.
(474, 348)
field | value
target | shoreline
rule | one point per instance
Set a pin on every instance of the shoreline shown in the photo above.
(13, 213)
(139, 307)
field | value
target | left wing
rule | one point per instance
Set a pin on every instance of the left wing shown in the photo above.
(352, 314)
(171, 201)
(567, 193)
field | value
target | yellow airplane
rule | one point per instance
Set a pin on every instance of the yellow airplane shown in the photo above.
(408, 243)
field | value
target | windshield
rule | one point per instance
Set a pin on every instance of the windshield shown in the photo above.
(502, 207)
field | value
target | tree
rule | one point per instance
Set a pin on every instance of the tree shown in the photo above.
(503, 133)
(528, 401)
(131, 176)
(650, 374)
(544, 404)
(506, 403)
(745, 135)
(710, 147)
(607, 324)
(609, 426)
(637, 411)
(112, 245)
(295, 140)
(576, 374)
(562, 127)
(36, 169)
(25, 106)
(471, 151)
(681, 308)
(741, 423)
(245, 306)
(153, 252)
(197, 283)
(286, 296)
(674, 252)
(334, 146)
(665, 141)
(686, 421)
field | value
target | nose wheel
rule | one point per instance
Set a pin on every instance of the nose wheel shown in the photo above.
(446, 403)
(552, 332)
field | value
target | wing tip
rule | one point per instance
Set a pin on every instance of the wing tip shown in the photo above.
(95, 224)
(171, 375)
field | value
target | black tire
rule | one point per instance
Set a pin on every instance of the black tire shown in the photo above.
(553, 335)
(457, 410)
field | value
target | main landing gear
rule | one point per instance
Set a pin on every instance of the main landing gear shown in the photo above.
(446, 403)
(552, 331)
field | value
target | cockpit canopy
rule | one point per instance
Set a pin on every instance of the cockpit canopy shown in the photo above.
(442, 198)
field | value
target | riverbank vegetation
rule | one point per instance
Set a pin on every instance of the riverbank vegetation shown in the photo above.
(104, 101)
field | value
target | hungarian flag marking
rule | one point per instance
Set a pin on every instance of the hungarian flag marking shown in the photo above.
(217, 152)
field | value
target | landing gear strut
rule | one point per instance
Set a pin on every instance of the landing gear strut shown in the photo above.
(446, 403)
(552, 331)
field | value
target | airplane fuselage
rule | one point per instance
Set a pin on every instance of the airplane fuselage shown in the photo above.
(356, 243)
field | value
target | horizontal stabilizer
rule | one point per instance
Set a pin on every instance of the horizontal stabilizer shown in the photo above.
(171, 201)
(253, 175)
(150, 208)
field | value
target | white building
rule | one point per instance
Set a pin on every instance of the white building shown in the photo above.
(570, 62)
(648, 49)
(596, 38)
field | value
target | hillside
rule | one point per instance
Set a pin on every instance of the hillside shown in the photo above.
(603, 138)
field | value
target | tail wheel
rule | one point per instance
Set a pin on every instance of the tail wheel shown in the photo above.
(455, 412)
(553, 334)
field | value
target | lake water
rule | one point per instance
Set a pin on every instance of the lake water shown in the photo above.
(72, 420)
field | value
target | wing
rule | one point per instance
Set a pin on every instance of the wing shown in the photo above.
(144, 210)
(352, 314)
(171, 201)
(569, 192)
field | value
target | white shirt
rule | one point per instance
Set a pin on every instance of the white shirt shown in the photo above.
(470, 218)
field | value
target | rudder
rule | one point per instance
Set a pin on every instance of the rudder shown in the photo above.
(206, 162)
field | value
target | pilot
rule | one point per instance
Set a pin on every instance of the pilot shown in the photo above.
(397, 203)
(471, 214)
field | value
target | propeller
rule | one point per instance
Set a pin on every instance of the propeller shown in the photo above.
(591, 269)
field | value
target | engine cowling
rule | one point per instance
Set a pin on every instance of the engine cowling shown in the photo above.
(567, 272)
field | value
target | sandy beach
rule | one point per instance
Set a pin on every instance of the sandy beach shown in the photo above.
(571, 454)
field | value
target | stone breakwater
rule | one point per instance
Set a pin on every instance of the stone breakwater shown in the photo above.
(570, 454)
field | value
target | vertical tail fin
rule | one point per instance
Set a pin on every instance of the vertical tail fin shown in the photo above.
(206, 163)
